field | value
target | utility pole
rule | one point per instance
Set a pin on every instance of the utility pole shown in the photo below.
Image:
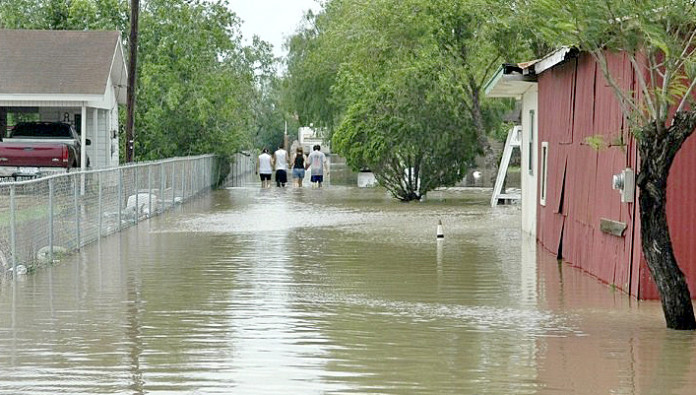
(132, 71)
(285, 138)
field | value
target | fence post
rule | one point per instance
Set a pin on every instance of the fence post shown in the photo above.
(149, 190)
(161, 191)
(13, 231)
(77, 212)
(183, 181)
(120, 195)
(51, 192)
(173, 184)
(135, 187)
(100, 203)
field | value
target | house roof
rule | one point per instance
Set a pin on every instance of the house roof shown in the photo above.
(61, 62)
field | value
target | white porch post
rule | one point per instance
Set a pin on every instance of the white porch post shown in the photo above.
(95, 143)
(83, 138)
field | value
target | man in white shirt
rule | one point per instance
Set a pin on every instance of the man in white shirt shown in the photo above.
(317, 161)
(281, 166)
(264, 168)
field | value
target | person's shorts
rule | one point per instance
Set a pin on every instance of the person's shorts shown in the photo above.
(281, 176)
(265, 177)
(298, 173)
(317, 178)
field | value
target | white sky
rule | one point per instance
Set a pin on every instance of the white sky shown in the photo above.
(272, 20)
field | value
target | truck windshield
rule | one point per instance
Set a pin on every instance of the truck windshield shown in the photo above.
(47, 130)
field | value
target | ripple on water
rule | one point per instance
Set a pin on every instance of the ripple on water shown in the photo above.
(522, 322)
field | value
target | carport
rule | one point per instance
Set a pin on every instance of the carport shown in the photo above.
(78, 77)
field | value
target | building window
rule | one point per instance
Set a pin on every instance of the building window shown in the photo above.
(531, 143)
(544, 172)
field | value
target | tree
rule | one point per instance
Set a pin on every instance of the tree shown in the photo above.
(311, 72)
(196, 92)
(272, 112)
(410, 132)
(64, 14)
(478, 36)
(354, 52)
(658, 36)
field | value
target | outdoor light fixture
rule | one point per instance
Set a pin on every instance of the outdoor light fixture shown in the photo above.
(625, 183)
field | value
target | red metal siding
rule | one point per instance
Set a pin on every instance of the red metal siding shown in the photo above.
(555, 127)
(681, 210)
(583, 174)
(575, 102)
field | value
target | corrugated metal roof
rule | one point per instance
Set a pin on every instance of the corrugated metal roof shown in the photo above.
(553, 59)
(56, 61)
(509, 81)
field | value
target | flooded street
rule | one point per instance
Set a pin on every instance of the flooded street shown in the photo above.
(334, 291)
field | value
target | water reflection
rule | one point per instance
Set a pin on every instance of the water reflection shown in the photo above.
(339, 290)
(623, 346)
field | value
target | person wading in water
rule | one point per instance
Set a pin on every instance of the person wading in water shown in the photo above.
(264, 168)
(317, 161)
(298, 167)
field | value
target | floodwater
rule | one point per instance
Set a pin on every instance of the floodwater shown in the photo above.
(334, 291)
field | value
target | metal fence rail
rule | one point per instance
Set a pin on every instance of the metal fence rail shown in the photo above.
(242, 168)
(42, 219)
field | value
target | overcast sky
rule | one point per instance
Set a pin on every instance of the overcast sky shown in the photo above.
(272, 20)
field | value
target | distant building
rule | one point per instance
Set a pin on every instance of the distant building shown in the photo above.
(308, 137)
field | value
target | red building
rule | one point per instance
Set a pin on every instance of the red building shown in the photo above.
(580, 216)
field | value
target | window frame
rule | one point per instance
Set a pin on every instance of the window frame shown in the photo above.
(530, 159)
(544, 182)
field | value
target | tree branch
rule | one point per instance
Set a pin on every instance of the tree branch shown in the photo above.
(686, 97)
(643, 86)
(627, 105)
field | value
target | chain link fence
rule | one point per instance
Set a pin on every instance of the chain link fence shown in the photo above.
(242, 169)
(42, 219)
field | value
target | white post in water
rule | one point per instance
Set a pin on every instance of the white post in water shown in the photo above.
(440, 234)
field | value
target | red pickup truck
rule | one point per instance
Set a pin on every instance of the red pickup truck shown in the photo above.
(37, 148)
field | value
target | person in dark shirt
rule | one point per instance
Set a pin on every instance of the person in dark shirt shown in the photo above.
(298, 167)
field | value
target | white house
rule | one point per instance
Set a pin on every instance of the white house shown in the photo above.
(512, 81)
(308, 137)
(78, 77)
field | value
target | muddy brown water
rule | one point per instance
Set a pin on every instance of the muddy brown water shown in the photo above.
(334, 291)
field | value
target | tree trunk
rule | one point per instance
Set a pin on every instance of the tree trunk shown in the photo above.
(657, 152)
(490, 162)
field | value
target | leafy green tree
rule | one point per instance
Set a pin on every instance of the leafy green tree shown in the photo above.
(477, 36)
(21, 14)
(410, 132)
(311, 73)
(196, 85)
(658, 37)
(353, 54)
(64, 14)
(271, 109)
